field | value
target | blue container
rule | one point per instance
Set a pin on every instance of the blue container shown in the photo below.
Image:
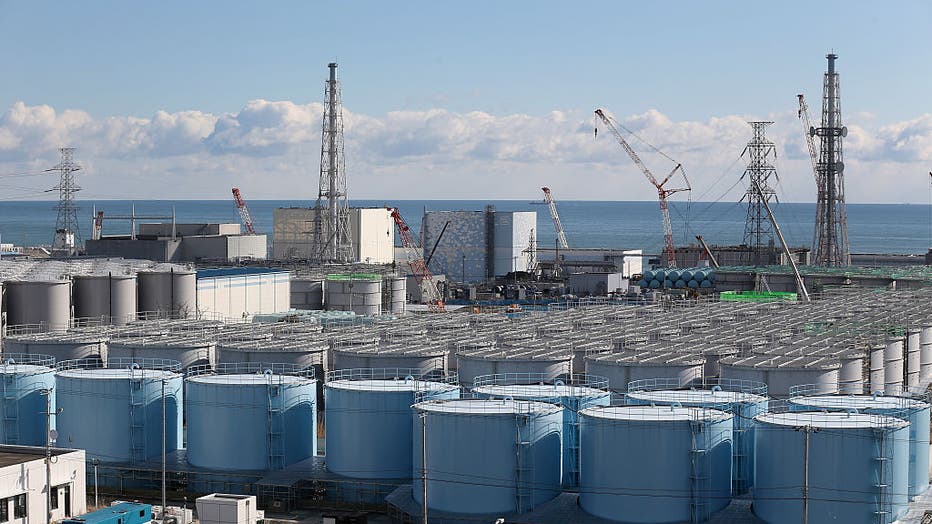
(115, 413)
(488, 457)
(856, 467)
(121, 513)
(706, 284)
(668, 284)
(257, 417)
(744, 406)
(369, 420)
(913, 411)
(687, 274)
(573, 398)
(631, 456)
(23, 379)
(673, 274)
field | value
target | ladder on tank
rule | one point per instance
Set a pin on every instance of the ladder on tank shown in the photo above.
(740, 455)
(524, 468)
(276, 419)
(700, 472)
(137, 415)
(10, 410)
(884, 510)
(571, 409)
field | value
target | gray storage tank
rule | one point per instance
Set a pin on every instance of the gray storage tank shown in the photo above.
(26, 381)
(781, 373)
(115, 412)
(420, 355)
(295, 352)
(369, 430)
(170, 293)
(513, 446)
(109, 297)
(60, 346)
(622, 368)
(536, 358)
(359, 294)
(45, 304)
(188, 350)
(250, 416)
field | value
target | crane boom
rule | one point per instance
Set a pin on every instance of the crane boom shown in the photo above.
(416, 263)
(662, 192)
(244, 215)
(557, 225)
(808, 132)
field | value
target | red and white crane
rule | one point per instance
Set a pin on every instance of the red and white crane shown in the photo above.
(662, 192)
(561, 235)
(416, 264)
(244, 215)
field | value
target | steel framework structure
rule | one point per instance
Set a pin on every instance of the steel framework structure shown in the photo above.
(331, 217)
(67, 231)
(758, 231)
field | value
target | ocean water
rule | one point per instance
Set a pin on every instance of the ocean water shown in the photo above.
(872, 228)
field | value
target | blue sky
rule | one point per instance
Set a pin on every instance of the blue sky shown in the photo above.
(692, 62)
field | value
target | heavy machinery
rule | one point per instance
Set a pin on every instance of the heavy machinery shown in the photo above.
(415, 259)
(557, 226)
(803, 115)
(663, 192)
(244, 215)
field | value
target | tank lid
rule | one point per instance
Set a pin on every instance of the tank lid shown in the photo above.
(487, 407)
(116, 373)
(703, 397)
(24, 369)
(859, 402)
(830, 420)
(390, 385)
(249, 379)
(655, 413)
(539, 391)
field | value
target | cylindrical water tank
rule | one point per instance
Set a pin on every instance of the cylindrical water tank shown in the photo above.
(851, 372)
(913, 357)
(109, 297)
(619, 448)
(893, 366)
(115, 413)
(512, 446)
(60, 346)
(876, 367)
(186, 349)
(574, 393)
(402, 355)
(369, 431)
(743, 399)
(398, 297)
(622, 368)
(299, 353)
(359, 293)
(307, 293)
(925, 354)
(255, 416)
(916, 412)
(170, 293)
(858, 467)
(781, 373)
(25, 381)
(44, 304)
(535, 358)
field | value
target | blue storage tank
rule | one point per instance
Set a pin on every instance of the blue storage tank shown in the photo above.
(914, 411)
(743, 399)
(574, 393)
(251, 416)
(488, 457)
(857, 467)
(654, 464)
(369, 418)
(115, 413)
(23, 404)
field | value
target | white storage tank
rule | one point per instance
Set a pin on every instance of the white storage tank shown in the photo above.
(360, 293)
(396, 295)
(44, 304)
(858, 466)
(512, 446)
(25, 381)
(171, 293)
(781, 373)
(109, 297)
(622, 368)
(573, 392)
(369, 430)
(115, 412)
(893, 368)
(621, 479)
(255, 416)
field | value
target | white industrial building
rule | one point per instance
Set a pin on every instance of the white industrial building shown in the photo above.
(221, 508)
(232, 293)
(371, 231)
(23, 483)
(478, 245)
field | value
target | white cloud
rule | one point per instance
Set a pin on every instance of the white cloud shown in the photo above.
(272, 148)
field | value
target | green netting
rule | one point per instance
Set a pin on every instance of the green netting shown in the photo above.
(756, 296)
(354, 276)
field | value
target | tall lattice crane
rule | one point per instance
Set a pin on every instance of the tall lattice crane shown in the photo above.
(244, 215)
(662, 191)
(803, 115)
(561, 235)
(416, 264)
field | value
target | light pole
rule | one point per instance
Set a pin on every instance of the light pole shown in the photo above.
(50, 435)
(95, 462)
(164, 515)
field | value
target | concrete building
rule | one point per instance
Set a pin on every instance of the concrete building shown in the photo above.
(478, 245)
(241, 292)
(173, 242)
(691, 255)
(596, 284)
(371, 231)
(23, 482)
(628, 262)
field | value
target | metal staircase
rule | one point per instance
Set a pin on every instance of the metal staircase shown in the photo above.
(700, 472)
(884, 509)
(276, 419)
(137, 415)
(10, 410)
(524, 468)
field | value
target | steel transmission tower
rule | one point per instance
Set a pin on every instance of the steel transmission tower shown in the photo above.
(67, 232)
(331, 217)
(758, 231)
(831, 229)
